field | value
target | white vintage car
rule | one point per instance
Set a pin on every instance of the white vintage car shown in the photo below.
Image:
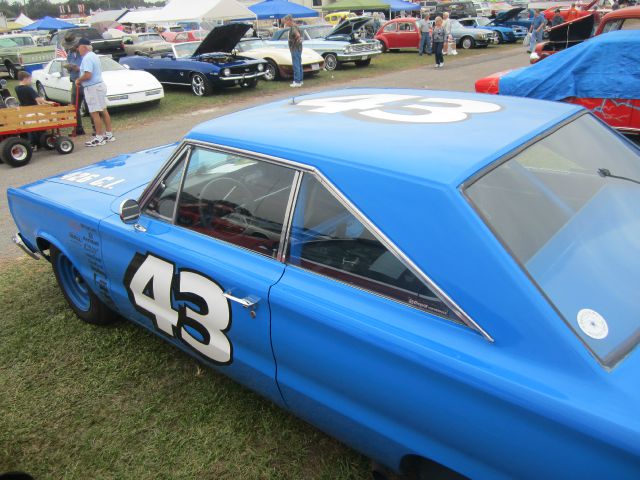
(279, 58)
(124, 86)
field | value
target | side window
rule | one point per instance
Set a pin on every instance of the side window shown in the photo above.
(631, 24)
(406, 27)
(235, 199)
(326, 238)
(391, 27)
(56, 67)
(612, 26)
(163, 202)
(285, 35)
(54, 40)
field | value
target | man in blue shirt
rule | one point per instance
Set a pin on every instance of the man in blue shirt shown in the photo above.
(536, 30)
(74, 59)
(95, 94)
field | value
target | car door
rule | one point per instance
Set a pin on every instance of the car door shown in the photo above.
(408, 36)
(390, 34)
(198, 266)
(352, 326)
(57, 83)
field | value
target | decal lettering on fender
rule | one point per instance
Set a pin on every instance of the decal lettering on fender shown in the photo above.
(93, 179)
(400, 108)
(203, 314)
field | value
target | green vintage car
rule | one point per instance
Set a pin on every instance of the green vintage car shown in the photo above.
(19, 52)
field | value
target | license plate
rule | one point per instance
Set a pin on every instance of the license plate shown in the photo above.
(363, 57)
(315, 66)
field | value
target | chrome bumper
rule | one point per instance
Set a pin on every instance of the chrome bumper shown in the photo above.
(241, 78)
(352, 57)
(17, 239)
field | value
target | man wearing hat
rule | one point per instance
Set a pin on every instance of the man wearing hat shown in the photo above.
(74, 59)
(95, 94)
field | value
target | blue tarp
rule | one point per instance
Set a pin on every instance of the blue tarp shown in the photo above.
(606, 66)
(400, 6)
(49, 23)
(280, 9)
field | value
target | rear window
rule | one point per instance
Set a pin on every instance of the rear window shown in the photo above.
(568, 209)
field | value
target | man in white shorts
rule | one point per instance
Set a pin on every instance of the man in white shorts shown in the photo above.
(95, 94)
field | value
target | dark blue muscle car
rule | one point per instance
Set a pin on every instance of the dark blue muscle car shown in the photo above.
(204, 65)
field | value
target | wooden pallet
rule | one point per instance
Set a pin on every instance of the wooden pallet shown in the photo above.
(31, 119)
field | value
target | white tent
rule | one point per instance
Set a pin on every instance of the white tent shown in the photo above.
(23, 20)
(107, 16)
(142, 15)
(203, 11)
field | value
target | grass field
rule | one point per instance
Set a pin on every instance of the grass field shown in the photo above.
(180, 100)
(84, 402)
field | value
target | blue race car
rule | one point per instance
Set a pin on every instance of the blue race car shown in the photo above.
(204, 66)
(505, 34)
(471, 306)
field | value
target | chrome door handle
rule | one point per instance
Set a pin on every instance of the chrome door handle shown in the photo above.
(246, 302)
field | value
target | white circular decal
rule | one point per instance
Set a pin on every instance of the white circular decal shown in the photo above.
(593, 324)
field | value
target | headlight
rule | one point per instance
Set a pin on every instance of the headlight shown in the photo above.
(260, 67)
(226, 72)
(348, 49)
(483, 36)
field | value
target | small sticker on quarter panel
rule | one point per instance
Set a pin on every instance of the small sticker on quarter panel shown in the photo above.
(593, 324)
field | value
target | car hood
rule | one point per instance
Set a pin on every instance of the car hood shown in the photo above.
(129, 81)
(508, 15)
(119, 175)
(578, 29)
(349, 26)
(222, 39)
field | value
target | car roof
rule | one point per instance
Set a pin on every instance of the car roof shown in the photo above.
(443, 153)
(627, 12)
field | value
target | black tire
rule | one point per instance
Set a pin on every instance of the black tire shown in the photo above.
(200, 85)
(363, 63)
(64, 145)
(467, 42)
(48, 141)
(41, 90)
(12, 70)
(331, 62)
(96, 312)
(271, 71)
(385, 49)
(16, 151)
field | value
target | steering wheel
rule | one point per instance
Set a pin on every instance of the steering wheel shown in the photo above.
(206, 207)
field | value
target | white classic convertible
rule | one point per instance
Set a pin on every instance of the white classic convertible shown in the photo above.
(124, 86)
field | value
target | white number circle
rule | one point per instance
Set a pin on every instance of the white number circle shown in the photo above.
(593, 324)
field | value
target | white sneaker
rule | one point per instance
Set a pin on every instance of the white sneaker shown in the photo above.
(108, 137)
(95, 142)
(294, 85)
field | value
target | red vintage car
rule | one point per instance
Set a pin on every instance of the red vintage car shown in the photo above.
(568, 13)
(569, 34)
(399, 33)
(538, 81)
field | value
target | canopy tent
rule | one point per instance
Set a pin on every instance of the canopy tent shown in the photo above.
(605, 66)
(23, 20)
(203, 11)
(11, 26)
(280, 9)
(402, 6)
(48, 23)
(142, 15)
(348, 5)
(107, 16)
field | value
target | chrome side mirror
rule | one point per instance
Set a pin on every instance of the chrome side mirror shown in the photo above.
(130, 211)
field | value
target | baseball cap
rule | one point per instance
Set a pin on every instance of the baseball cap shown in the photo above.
(84, 41)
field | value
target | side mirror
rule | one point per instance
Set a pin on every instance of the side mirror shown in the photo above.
(130, 211)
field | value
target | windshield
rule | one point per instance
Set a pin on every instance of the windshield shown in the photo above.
(319, 32)
(23, 41)
(110, 65)
(574, 228)
(149, 38)
(184, 50)
(245, 46)
(7, 43)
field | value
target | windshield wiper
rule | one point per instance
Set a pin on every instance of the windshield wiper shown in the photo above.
(603, 172)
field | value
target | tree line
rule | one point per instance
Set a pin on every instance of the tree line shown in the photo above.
(40, 8)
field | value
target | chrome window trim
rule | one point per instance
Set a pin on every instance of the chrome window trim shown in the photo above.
(446, 299)
(288, 219)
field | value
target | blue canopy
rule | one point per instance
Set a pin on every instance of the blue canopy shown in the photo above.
(401, 5)
(49, 23)
(606, 66)
(280, 9)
